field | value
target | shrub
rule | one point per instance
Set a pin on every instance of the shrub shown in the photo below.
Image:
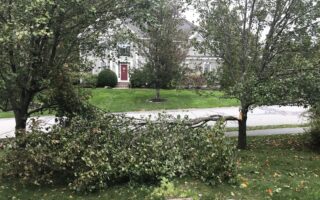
(91, 155)
(139, 78)
(193, 78)
(144, 77)
(211, 78)
(107, 78)
(89, 81)
(196, 81)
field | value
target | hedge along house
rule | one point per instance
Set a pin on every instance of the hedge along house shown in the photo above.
(126, 55)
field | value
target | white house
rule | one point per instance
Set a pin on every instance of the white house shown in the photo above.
(128, 56)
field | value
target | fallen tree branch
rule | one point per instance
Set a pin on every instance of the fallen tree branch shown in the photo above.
(213, 118)
(197, 122)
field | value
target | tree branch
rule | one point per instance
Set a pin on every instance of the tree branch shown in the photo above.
(41, 109)
(193, 122)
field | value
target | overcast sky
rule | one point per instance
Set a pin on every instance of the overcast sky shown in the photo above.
(191, 15)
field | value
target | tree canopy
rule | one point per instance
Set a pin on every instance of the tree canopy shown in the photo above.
(165, 42)
(40, 43)
(258, 43)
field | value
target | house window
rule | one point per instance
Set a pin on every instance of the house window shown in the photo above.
(124, 50)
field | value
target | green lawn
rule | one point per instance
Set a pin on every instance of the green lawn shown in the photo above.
(115, 100)
(6, 114)
(274, 167)
(137, 99)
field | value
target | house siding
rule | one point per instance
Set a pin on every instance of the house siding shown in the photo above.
(194, 58)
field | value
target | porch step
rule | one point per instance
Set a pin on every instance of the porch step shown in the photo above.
(122, 85)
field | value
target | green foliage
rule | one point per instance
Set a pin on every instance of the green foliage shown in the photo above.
(257, 46)
(40, 44)
(192, 78)
(274, 167)
(92, 155)
(251, 54)
(196, 78)
(89, 81)
(107, 78)
(167, 189)
(139, 78)
(166, 47)
(211, 78)
(145, 77)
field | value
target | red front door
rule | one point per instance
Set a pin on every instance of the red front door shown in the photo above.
(124, 72)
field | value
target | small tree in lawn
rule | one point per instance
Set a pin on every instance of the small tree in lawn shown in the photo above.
(39, 51)
(164, 45)
(250, 37)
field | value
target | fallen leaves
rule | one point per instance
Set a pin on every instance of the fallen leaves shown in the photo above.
(269, 191)
(302, 185)
(244, 183)
(275, 175)
(267, 163)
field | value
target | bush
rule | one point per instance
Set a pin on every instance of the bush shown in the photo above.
(107, 78)
(89, 81)
(139, 78)
(91, 155)
(211, 78)
(144, 77)
(196, 81)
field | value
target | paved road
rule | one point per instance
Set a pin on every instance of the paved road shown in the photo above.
(261, 116)
(7, 125)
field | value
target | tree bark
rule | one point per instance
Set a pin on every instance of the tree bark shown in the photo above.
(21, 122)
(157, 93)
(157, 87)
(242, 137)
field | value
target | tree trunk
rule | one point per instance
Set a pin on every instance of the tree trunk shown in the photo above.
(157, 87)
(157, 93)
(242, 137)
(21, 122)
